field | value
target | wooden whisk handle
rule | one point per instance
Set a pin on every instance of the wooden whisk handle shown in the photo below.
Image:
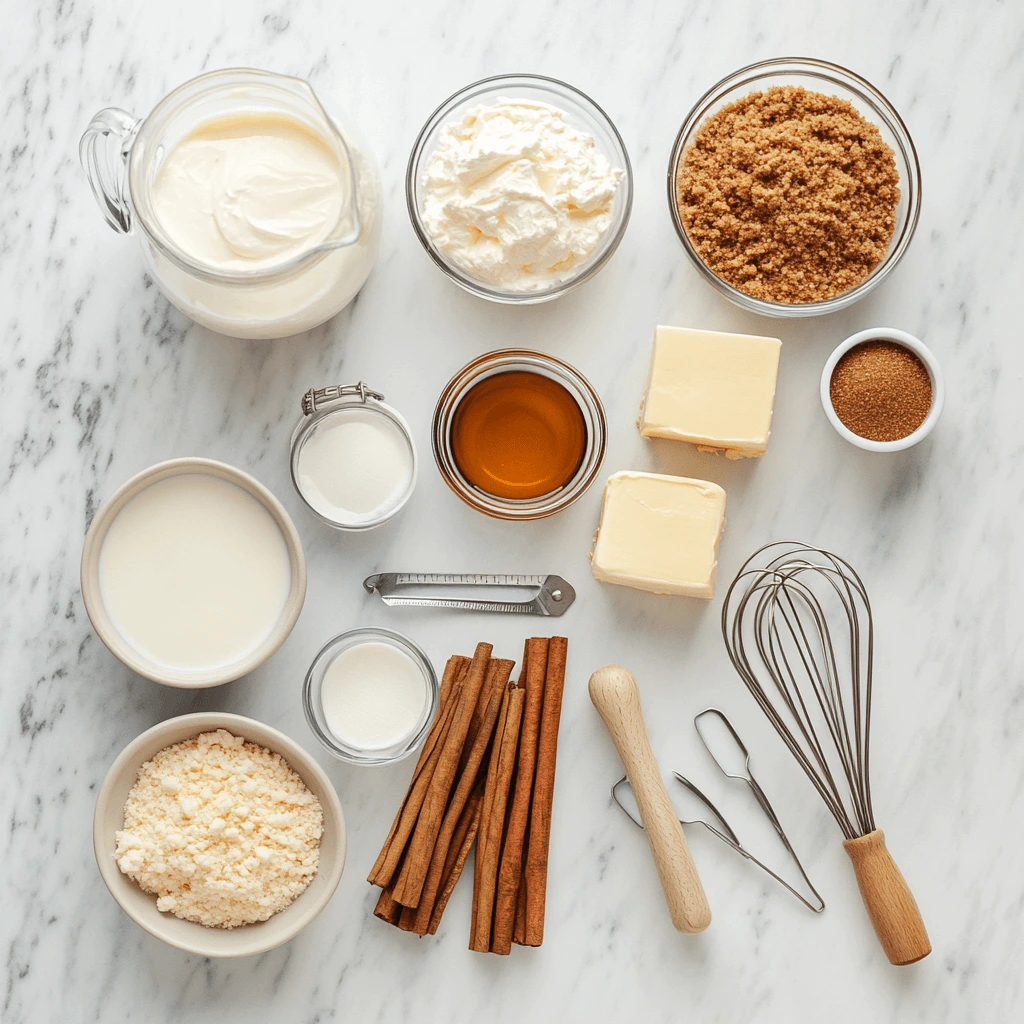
(890, 903)
(617, 699)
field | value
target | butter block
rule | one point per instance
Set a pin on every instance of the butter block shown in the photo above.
(711, 389)
(659, 533)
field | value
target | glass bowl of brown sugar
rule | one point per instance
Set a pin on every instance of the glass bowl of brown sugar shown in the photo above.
(882, 390)
(519, 434)
(794, 187)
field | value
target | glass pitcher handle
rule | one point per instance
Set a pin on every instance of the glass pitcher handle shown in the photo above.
(104, 153)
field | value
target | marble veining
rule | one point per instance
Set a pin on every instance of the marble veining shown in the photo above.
(100, 377)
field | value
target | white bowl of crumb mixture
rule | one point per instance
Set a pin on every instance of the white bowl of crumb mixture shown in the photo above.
(219, 835)
(794, 187)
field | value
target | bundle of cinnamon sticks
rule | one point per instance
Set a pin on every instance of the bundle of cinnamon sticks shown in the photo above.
(486, 773)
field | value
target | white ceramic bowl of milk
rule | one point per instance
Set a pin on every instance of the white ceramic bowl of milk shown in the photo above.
(193, 573)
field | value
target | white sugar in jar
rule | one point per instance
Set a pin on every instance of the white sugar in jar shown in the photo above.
(370, 696)
(353, 461)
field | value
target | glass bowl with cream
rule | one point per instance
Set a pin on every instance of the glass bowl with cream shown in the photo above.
(193, 573)
(353, 460)
(370, 696)
(519, 187)
(257, 211)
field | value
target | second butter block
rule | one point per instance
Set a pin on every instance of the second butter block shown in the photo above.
(660, 533)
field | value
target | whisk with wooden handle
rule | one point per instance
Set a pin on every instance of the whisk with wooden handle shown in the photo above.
(798, 629)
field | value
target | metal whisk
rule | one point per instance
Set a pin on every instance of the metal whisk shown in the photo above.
(797, 625)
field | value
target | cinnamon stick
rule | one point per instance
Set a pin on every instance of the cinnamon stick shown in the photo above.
(477, 743)
(535, 873)
(490, 785)
(492, 819)
(413, 873)
(462, 842)
(519, 931)
(387, 909)
(388, 859)
(535, 659)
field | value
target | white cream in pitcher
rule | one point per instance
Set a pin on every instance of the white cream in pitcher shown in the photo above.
(249, 191)
(267, 196)
(194, 572)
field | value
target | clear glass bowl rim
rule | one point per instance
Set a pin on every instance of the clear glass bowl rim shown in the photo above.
(453, 272)
(368, 634)
(754, 75)
(505, 508)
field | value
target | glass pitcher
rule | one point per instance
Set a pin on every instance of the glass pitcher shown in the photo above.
(122, 156)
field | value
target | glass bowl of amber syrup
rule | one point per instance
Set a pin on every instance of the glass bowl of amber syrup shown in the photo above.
(519, 434)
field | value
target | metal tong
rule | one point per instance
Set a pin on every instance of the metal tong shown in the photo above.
(726, 832)
(553, 597)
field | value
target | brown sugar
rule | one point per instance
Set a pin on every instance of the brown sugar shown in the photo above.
(789, 195)
(881, 391)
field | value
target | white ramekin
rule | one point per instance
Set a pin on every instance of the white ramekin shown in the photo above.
(923, 353)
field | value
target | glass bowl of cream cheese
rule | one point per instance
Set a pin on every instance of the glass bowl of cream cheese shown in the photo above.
(519, 187)
(257, 211)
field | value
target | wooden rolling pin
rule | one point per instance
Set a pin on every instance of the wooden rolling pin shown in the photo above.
(617, 698)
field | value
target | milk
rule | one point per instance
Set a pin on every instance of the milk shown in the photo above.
(355, 467)
(194, 572)
(373, 696)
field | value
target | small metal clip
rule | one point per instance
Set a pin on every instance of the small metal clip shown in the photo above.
(334, 392)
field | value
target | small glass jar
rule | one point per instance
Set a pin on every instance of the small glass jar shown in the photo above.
(122, 155)
(312, 697)
(508, 361)
(320, 408)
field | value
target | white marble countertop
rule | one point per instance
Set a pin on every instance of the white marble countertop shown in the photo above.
(101, 377)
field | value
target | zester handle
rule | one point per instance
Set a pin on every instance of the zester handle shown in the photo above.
(616, 696)
(890, 903)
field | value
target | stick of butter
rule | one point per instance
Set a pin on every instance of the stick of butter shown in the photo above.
(659, 533)
(713, 390)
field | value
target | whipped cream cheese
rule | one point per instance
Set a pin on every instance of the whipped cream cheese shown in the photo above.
(249, 191)
(516, 197)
